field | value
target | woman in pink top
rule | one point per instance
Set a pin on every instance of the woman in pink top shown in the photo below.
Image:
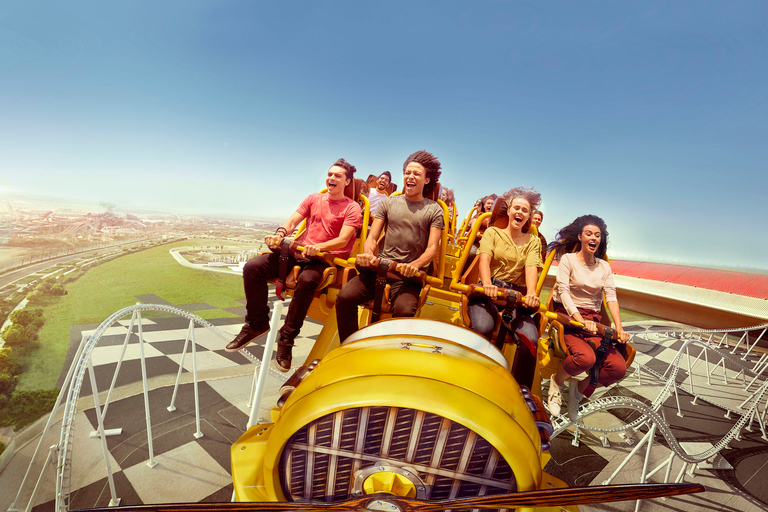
(582, 278)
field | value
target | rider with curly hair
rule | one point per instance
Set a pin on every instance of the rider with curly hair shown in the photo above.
(510, 257)
(413, 226)
(582, 278)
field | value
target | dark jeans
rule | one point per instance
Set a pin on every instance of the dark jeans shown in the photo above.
(262, 268)
(482, 317)
(482, 314)
(404, 295)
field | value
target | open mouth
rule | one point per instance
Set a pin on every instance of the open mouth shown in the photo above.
(519, 219)
(592, 245)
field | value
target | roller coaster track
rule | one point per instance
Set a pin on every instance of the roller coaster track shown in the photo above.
(670, 383)
(652, 415)
(61, 453)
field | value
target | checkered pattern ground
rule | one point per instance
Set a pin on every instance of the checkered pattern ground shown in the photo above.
(191, 469)
(591, 463)
(164, 347)
(188, 469)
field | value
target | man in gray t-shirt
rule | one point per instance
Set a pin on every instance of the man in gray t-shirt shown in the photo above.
(413, 225)
(408, 227)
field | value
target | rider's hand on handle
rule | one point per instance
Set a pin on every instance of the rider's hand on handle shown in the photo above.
(491, 290)
(590, 325)
(623, 336)
(531, 301)
(407, 270)
(366, 260)
(273, 241)
(310, 250)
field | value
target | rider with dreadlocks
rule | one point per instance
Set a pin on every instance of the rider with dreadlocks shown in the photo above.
(413, 225)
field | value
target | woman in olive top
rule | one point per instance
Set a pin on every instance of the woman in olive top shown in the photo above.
(510, 258)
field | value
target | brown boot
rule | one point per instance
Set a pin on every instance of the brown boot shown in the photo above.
(246, 335)
(284, 355)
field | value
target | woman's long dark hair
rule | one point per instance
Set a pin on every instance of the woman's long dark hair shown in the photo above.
(568, 237)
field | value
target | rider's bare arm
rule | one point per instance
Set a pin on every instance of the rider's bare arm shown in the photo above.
(484, 269)
(531, 277)
(347, 233)
(367, 257)
(289, 225)
(613, 308)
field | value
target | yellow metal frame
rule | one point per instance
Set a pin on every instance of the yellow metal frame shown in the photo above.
(460, 234)
(468, 241)
(456, 382)
(468, 389)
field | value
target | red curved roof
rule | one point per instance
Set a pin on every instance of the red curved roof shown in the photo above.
(728, 281)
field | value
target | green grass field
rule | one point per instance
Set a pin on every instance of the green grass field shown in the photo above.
(114, 285)
(111, 286)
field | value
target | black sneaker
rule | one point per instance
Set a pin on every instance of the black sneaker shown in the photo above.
(284, 355)
(247, 334)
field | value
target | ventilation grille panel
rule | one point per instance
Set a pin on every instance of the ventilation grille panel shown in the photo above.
(320, 461)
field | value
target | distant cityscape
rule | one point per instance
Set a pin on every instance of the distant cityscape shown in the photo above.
(36, 228)
(33, 228)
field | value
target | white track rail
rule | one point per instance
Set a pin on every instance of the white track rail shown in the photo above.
(61, 453)
(711, 350)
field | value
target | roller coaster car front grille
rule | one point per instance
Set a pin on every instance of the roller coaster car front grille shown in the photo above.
(321, 461)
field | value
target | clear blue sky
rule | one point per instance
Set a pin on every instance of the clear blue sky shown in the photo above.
(653, 115)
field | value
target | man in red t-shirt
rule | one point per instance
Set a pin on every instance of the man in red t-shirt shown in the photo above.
(332, 221)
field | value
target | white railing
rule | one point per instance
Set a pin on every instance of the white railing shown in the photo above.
(61, 452)
(746, 382)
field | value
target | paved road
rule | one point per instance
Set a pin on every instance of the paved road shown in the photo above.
(31, 269)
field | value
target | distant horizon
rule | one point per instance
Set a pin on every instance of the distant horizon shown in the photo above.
(279, 220)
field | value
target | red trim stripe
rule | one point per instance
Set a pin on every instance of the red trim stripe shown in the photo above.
(728, 281)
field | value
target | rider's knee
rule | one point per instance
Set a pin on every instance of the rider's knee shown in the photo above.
(482, 323)
(615, 371)
(584, 360)
(308, 280)
(484, 329)
(345, 299)
(481, 313)
(256, 267)
(529, 329)
(404, 306)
